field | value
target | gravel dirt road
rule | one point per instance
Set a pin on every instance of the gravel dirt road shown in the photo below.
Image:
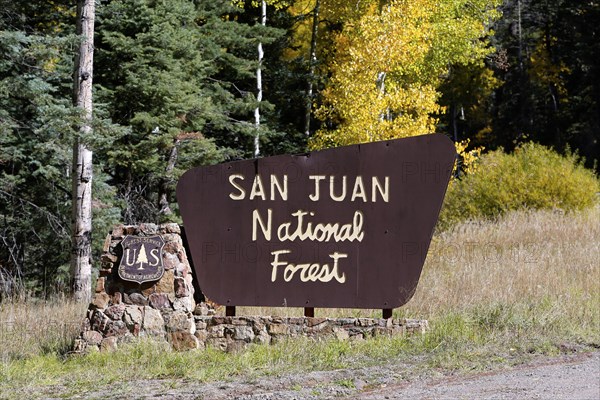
(575, 377)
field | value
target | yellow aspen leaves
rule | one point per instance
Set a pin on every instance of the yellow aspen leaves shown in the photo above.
(389, 63)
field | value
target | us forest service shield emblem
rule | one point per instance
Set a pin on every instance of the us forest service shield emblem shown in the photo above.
(142, 258)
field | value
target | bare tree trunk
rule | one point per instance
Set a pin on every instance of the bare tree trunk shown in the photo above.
(313, 64)
(81, 249)
(454, 113)
(553, 89)
(259, 95)
(163, 198)
(520, 34)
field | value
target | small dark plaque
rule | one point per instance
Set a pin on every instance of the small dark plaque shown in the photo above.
(142, 258)
(345, 227)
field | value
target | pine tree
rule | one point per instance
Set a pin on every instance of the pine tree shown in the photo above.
(183, 88)
(38, 124)
(142, 257)
(36, 120)
(261, 5)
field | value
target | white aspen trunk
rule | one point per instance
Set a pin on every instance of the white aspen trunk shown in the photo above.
(384, 116)
(259, 95)
(313, 63)
(163, 200)
(81, 249)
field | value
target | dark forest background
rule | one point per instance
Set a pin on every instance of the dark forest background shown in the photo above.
(175, 87)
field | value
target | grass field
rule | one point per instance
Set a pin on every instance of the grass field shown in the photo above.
(495, 294)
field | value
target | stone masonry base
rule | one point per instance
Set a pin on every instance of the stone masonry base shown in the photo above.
(234, 333)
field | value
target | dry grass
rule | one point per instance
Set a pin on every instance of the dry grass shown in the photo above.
(524, 256)
(34, 327)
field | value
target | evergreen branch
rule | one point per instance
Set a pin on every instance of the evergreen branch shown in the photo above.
(53, 220)
(241, 92)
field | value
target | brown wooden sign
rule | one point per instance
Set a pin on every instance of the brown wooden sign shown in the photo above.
(142, 258)
(347, 227)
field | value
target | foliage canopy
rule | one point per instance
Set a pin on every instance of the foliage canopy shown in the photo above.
(390, 62)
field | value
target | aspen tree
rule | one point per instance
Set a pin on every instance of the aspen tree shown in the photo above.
(389, 63)
(278, 4)
(81, 251)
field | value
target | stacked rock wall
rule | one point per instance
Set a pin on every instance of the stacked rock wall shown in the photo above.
(121, 310)
(233, 333)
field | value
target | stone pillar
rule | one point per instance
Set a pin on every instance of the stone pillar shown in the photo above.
(121, 310)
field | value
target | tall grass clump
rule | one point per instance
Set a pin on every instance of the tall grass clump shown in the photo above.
(32, 327)
(533, 177)
(530, 275)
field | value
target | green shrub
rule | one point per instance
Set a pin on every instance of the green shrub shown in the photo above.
(533, 177)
